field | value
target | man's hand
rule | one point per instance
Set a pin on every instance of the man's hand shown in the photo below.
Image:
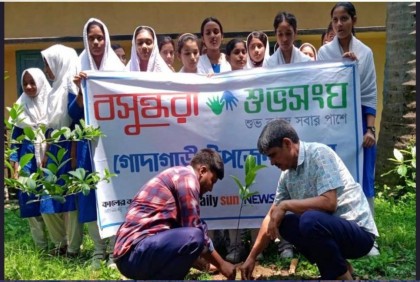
(228, 270)
(247, 268)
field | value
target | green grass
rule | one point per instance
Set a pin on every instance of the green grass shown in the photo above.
(396, 223)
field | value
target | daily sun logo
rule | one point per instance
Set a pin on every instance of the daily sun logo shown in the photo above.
(216, 103)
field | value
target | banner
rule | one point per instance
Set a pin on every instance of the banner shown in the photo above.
(153, 121)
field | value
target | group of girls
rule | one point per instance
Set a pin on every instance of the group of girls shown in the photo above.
(62, 104)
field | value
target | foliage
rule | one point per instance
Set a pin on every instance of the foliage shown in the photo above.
(48, 181)
(405, 169)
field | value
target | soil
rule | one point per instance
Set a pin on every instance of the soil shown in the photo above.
(270, 272)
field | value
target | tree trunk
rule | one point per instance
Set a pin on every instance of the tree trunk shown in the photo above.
(398, 123)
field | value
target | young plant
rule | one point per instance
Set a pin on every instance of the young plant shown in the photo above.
(405, 168)
(251, 169)
(48, 180)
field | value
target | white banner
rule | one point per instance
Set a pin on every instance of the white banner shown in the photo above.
(153, 121)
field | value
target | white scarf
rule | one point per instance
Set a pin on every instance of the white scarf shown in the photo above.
(64, 64)
(365, 63)
(35, 110)
(110, 60)
(278, 59)
(204, 64)
(155, 63)
(249, 63)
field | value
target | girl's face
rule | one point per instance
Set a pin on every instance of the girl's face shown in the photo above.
(121, 54)
(145, 44)
(168, 53)
(189, 56)
(96, 41)
(342, 23)
(237, 58)
(329, 37)
(212, 36)
(29, 86)
(48, 71)
(285, 36)
(308, 51)
(256, 50)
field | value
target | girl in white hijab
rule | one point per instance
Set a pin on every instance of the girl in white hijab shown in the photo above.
(214, 61)
(145, 52)
(285, 27)
(98, 53)
(61, 65)
(35, 107)
(33, 101)
(258, 48)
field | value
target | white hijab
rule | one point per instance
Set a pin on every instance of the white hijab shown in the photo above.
(249, 64)
(365, 63)
(204, 64)
(35, 109)
(278, 59)
(155, 63)
(110, 60)
(64, 64)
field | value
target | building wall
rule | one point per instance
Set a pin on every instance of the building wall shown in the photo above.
(24, 21)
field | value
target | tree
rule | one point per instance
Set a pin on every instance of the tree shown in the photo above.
(398, 123)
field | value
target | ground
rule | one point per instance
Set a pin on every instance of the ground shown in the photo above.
(260, 273)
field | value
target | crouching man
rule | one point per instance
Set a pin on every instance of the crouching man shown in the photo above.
(328, 217)
(163, 235)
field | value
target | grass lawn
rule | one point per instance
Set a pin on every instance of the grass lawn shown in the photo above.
(397, 242)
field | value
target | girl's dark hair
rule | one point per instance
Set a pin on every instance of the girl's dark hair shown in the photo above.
(184, 38)
(285, 16)
(231, 45)
(92, 23)
(350, 9)
(163, 40)
(210, 19)
(116, 46)
(259, 35)
(140, 28)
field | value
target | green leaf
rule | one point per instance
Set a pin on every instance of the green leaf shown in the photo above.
(63, 164)
(413, 152)
(85, 189)
(30, 134)
(31, 184)
(250, 162)
(398, 156)
(52, 167)
(60, 199)
(402, 170)
(60, 154)
(238, 182)
(56, 134)
(52, 157)
(25, 159)
(77, 174)
(20, 138)
(250, 178)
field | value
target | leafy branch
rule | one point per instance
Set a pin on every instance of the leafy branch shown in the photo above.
(48, 181)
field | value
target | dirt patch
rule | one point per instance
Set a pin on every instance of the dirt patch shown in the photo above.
(260, 273)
